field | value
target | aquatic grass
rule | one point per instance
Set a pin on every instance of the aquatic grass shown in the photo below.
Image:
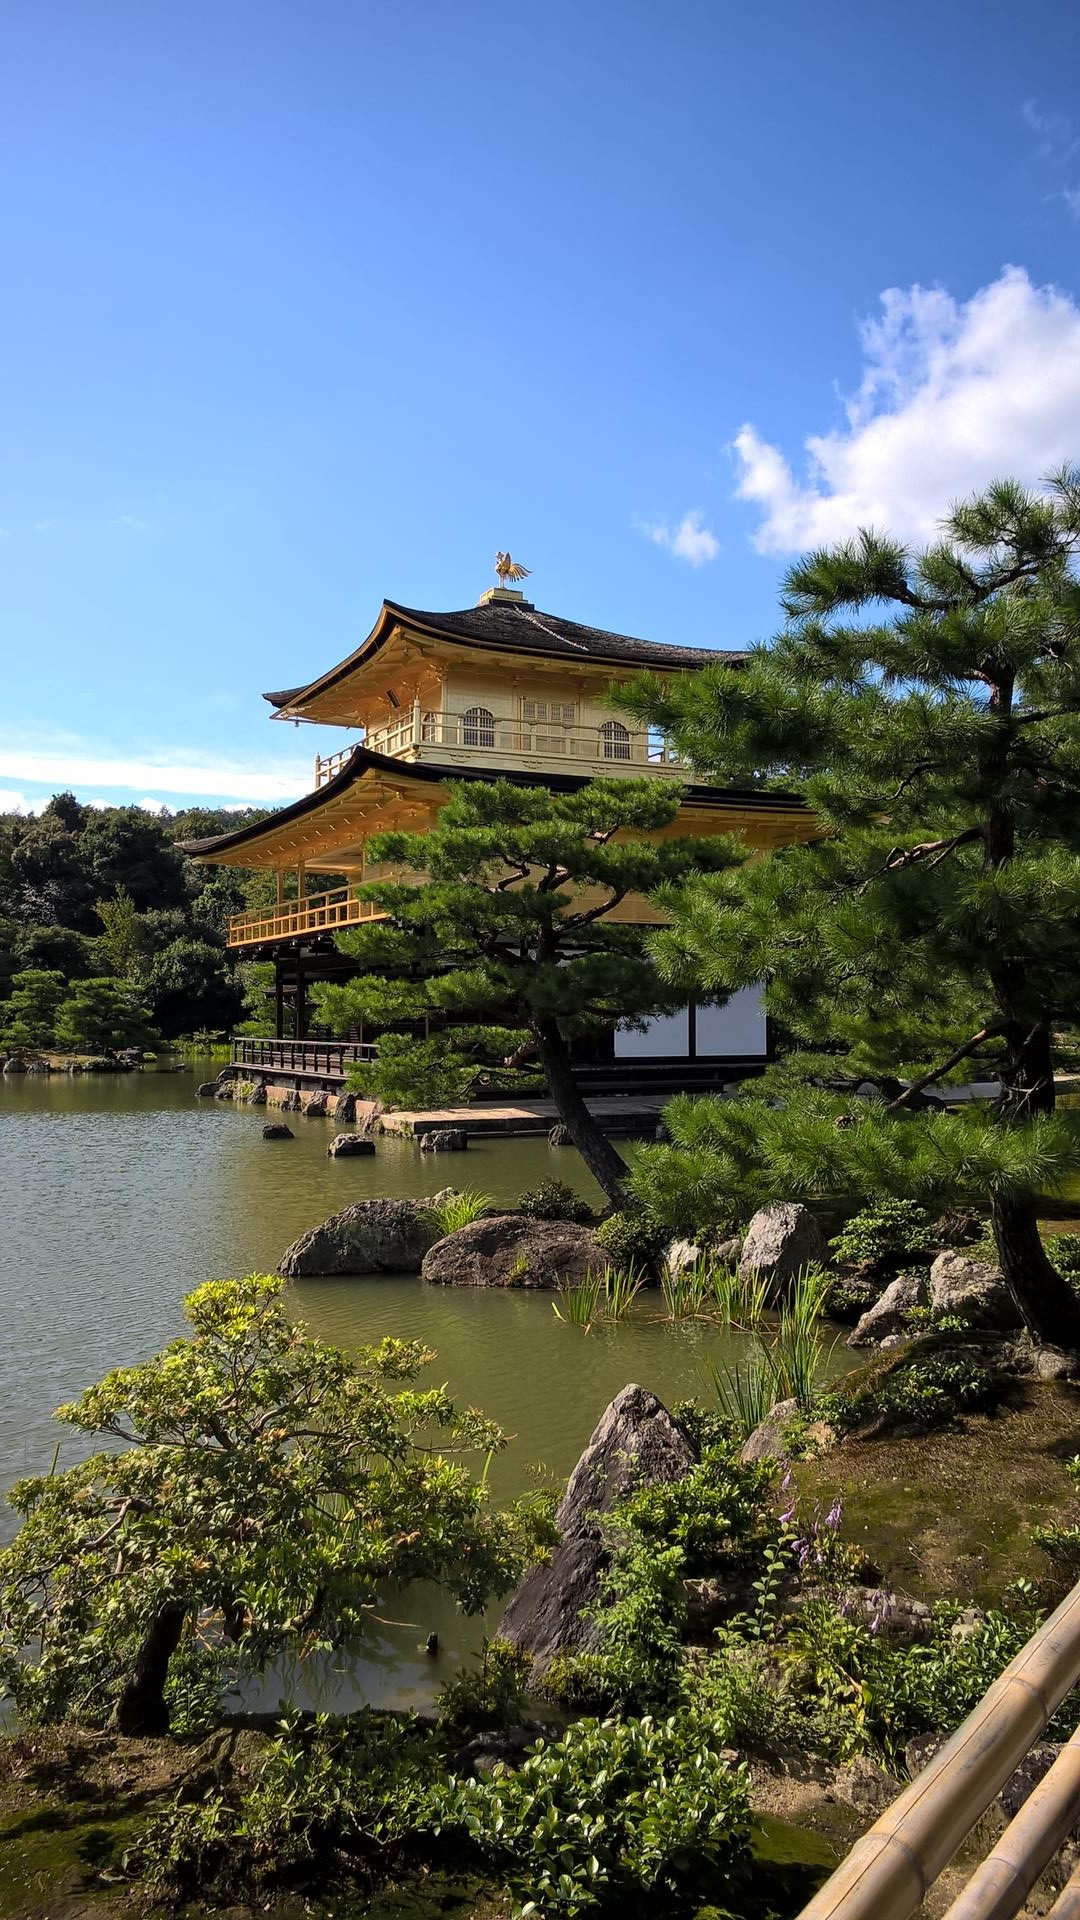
(600, 1296)
(621, 1288)
(579, 1305)
(787, 1363)
(452, 1211)
(740, 1299)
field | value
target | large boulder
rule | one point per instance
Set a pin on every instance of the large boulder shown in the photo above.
(973, 1290)
(514, 1250)
(681, 1256)
(636, 1443)
(780, 1241)
(371, 1236)
(887, 1315)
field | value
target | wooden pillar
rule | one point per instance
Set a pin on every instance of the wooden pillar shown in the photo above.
(280, 888)
(417, 725)
(279, 999)
(301, 1002)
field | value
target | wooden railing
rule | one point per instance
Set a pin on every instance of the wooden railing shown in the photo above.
(315, 913)
(889, 1872)
(320, 1059)
(637, 748)
(328, 766)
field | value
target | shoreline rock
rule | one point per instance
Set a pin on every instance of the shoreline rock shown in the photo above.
(371, 1236)
(514, 1250)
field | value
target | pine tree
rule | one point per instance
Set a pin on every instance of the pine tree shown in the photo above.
(928, 709)
(512, 926)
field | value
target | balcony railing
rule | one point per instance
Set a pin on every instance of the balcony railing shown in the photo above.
(329, 766)
(316, 913)
(319, 1059)
(615, 747)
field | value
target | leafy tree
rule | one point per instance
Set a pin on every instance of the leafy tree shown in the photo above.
(56, 949)
(127, 847)
(513, 925)
(97, 1016)
(254, 1483)
(120, 940)
(928, 709)
(189, 986)
(31, 1008)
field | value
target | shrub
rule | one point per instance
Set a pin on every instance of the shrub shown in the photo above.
(632, 1815)
(554, 1200)
(1064, 1251)
(924, 1390)
(632, 1239)
(491, 1695)
(885, 1237)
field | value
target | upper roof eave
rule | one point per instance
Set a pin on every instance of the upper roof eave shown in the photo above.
(514, 627)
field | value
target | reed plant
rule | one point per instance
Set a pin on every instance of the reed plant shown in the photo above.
(786, 1363)
(580, 1305)
(600, 1296)
(452, 1211)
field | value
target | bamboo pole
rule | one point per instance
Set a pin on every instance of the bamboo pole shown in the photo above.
(1067, 1904)
(1001, 1885)
(890, 1870)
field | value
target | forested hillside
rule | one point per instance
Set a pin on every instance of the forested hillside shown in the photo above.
(108, 934)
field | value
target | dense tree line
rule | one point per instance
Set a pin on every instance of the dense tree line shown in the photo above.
(109, 934)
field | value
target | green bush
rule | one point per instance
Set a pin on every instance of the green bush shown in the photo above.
(491, 1695)
(637, 1816)
(554, 1200)
(926, 1390)
(634, 1240)
(884, 1238)
(1064, 1251)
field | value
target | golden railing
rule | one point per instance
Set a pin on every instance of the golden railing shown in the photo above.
(315, 913)
(640, 749)
(889, 1872)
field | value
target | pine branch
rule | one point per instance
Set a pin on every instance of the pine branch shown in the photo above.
(989, 1032)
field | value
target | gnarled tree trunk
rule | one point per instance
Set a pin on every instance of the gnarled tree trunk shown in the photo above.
(605, 1164)
(141, 1707)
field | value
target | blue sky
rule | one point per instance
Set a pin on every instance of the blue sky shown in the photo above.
(308, 305)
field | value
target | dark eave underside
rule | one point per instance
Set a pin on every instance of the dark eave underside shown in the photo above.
(512, 627)
(361, 762)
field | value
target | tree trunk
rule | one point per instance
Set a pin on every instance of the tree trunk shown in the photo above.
(604, 1163)
(141, 1707)
(1047, 1305)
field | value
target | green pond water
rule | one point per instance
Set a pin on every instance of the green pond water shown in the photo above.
(120, 1194)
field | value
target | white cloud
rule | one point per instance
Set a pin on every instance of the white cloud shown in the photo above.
(13, 802)
(77, 770)
(688, 541)
(150, 805)
(953, 395)
(1055, 131)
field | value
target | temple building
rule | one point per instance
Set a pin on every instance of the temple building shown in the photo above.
(499, 690)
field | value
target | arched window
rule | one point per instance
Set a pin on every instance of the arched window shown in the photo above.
(614, 741)
(429, 728)
(477, 727)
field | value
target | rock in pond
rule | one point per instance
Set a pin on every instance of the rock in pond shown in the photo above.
(514, 1250)
(681, 1256)
(780, 1241)
(444, 1140)
(277, 1130)
(345, 1145)
(559, 1136)
(972, 1289)
(371, 1236)
(636, 1443)
(206, 1090)
(886, 1316)
(769, 1439)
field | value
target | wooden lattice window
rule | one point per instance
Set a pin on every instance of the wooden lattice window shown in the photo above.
(614, 741)
(478, 727)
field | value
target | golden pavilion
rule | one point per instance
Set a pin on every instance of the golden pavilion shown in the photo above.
(498, 690)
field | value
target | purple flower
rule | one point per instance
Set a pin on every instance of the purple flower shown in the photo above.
(834, 1516)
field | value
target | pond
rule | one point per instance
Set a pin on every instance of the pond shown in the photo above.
(118, 1194)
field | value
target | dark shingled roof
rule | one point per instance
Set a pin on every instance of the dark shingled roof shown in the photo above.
(519, 627)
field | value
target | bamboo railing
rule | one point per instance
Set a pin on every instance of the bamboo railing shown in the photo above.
(889, 1872)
